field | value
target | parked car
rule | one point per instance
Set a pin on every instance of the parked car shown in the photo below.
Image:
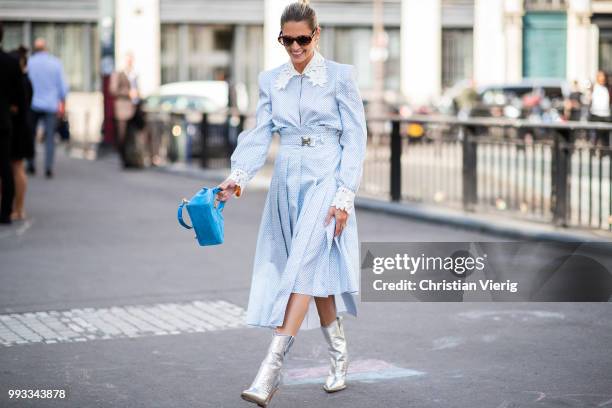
(538, 99)
(200, 96)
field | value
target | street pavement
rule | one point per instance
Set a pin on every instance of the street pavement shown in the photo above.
(104, 296)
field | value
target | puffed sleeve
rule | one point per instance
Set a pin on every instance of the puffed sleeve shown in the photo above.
(353, 139)
(253, 144)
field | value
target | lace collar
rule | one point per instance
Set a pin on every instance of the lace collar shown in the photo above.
(316, 71)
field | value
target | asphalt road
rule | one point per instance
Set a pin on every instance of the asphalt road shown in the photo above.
(101, 239)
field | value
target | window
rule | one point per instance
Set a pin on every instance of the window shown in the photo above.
(76, 45)
(13, 36)
(352, 46)
(200, 43)
(603, 21)
(169, 53)
(555, 5)
(605, 50)
(544, 45)
(223, 39)
(392, 65)
(457, 55)
(65, 42)
(203, 57)
(195, 52)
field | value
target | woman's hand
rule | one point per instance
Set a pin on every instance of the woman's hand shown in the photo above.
(228, 188)
(341, 217)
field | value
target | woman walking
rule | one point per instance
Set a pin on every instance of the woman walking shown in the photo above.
(23, 141)
(307, 246)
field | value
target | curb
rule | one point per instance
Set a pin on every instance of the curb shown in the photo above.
(522, 230)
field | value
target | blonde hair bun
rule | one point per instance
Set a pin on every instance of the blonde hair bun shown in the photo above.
(299, 10)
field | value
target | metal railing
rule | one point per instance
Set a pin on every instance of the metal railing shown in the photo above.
(559, 173)
(184, 136)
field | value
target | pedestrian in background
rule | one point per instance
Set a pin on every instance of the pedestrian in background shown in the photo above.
(12, 99)
(600, 107)
(49, 99)
(123, 87)
(307, 247)
(23, 141)
(572, 107)
(222, 75)
(466, 100)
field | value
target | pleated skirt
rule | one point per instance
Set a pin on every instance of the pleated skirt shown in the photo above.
(296, 252)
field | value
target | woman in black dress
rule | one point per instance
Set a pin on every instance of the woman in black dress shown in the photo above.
(23, 144)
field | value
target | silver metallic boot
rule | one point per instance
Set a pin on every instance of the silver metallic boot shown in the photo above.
(338, 356)
(268, 377)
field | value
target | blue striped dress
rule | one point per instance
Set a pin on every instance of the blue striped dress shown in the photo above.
(320, 118)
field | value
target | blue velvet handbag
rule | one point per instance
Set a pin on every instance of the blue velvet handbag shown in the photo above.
(207, 220)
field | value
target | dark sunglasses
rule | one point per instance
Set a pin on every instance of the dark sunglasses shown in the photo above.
(302, 40)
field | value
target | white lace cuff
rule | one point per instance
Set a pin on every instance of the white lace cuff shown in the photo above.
(240, 177)
(344, 199)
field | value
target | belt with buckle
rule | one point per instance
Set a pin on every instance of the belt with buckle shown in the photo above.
(309, 140)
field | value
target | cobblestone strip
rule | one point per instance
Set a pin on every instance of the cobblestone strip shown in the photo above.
(79, 325)
(223, 318)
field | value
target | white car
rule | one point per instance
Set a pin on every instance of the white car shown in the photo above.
(200, 96)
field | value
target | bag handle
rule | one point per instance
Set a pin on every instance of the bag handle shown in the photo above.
(220, 207)
(221, 204)
(180, 214)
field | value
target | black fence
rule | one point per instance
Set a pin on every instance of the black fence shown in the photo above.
(555, 173)
(558, 173)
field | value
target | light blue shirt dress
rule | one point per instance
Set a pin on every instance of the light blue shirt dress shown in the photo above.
(320, 118)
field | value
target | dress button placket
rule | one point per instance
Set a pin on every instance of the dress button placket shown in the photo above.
(300, 100)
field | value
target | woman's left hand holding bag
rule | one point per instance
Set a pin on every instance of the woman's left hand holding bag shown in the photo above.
(228, 189)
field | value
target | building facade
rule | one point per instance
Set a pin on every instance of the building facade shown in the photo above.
(431, 44)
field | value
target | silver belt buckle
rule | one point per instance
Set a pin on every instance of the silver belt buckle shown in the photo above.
(306, 141)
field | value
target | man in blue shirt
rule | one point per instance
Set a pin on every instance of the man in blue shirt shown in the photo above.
(48, 101)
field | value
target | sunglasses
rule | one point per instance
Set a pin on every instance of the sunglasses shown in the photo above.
(302, 40)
